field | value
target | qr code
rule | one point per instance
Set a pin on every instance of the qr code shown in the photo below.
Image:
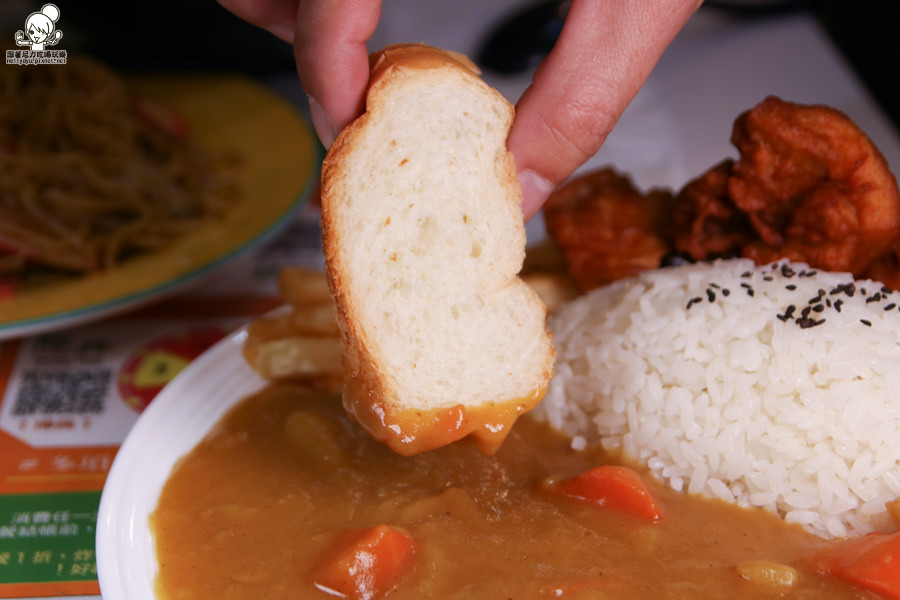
(44, 392)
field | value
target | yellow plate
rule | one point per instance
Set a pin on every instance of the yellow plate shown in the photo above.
(279, 160)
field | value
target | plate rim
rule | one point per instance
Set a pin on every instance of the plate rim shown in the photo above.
(143, 294)
(125, 549)
(161, 291)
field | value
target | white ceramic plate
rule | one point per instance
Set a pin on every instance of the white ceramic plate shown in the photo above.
(176, 421)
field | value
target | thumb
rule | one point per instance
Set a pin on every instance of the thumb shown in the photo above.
(604, 54)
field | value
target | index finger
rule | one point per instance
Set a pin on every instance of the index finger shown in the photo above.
(279, 17)
(333, 61)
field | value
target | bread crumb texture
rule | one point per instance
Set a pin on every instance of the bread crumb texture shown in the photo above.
(424, 239)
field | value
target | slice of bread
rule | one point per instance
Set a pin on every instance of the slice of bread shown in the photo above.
(424, 236)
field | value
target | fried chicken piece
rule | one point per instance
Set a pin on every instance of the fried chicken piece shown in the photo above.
(808, 186)
(705, 223)
(607, 228)
(813, 186)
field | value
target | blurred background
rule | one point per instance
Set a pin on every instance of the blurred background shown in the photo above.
(730, 56)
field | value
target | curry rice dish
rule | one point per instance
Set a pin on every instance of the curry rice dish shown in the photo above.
(751, 384)
(773, 386)
(287, 499)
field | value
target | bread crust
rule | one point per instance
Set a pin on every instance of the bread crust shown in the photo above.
(416, 56)
(369, 390)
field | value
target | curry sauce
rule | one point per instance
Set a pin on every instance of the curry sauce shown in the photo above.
(258, 507)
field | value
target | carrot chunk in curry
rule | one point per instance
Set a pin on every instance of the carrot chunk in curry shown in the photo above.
(366, 563)
(873, 561)
(614, 487)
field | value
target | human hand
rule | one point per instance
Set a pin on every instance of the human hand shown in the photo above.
(329, 38)
(604, 54)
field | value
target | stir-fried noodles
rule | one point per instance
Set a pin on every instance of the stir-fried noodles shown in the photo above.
(91, 174)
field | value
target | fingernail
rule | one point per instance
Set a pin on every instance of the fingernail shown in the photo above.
(535, 190)
(323, 125)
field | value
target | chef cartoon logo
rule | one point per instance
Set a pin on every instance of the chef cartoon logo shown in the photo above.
(39, 35)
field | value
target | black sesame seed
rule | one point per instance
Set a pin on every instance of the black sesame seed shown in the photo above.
(715, 285)
(790, 287)
(746, 274)
(693, 301)
(873, 298)
(746, 285)
(788, 313)
(814, 300)
(886, 290)
(786, 271)
(805, 312)
(818, 308)
(849, 289)
(806, 323)
(768, 278)
(866, 322)
(890, 306)
(750, 292)
(710, 295)
(726, 291)
(837, 304)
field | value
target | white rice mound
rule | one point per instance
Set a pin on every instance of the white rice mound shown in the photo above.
(705, 375)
